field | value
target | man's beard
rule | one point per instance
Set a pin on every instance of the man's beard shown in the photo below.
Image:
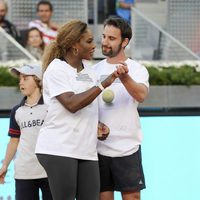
(111, 53)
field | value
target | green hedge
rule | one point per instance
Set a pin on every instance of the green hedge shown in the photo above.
(6, 79)
(184, 75)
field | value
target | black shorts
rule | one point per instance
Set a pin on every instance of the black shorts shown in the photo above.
(124, 174)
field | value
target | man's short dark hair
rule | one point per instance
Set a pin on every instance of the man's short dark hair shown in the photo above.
(44, 3)
(123, 25)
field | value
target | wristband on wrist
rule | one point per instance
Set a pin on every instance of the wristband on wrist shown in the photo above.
(99, 85)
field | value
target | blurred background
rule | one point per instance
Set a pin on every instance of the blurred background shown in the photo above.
(166, 39)
(163, 29)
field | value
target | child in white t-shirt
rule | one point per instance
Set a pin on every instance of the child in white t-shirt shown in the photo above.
(26, 120)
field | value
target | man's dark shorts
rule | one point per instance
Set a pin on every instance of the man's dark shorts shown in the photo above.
(123, 174)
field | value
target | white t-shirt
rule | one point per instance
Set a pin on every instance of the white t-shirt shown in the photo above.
(121, 116)
(25, 123)
(65, 133)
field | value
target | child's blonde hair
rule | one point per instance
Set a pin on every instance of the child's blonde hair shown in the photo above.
(38, 82)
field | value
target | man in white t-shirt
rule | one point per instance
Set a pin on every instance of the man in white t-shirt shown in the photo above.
(120, 154)
(44, 23)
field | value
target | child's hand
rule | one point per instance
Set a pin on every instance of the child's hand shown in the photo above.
(3, 172)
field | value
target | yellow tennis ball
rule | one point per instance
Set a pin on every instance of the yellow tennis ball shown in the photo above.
(108, 96)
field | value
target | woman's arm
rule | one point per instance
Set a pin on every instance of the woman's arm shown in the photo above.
(74, 102)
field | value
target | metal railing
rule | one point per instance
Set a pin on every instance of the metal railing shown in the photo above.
(10, 49)
(152, 42)
(21, 12)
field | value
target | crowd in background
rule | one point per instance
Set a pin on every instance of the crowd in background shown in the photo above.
(39, 33)
(44, 28)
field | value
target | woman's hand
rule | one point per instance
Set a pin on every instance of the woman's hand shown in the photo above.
(121, 70)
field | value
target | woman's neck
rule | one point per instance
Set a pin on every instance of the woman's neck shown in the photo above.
(74, 62)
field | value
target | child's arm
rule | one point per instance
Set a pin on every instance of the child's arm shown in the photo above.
(10, 153)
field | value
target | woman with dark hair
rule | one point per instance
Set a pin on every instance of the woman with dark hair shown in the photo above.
(66, 146)
(35, 43)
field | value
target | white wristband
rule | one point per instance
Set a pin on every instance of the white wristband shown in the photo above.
(100, 86)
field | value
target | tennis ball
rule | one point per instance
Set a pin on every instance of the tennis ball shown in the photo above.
(108, 96)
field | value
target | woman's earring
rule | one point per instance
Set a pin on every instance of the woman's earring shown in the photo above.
(75, 51)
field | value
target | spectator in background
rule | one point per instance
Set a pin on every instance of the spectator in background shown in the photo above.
(5, 24)
(123, 9)
(34, 43)
(44, 23)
